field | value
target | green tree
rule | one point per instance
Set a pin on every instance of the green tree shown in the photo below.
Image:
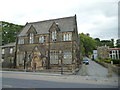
(98, 42)
(88, 44)
(9, 32)
(118, 43)
(109, 43)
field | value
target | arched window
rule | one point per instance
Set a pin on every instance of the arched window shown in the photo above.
(31, 38)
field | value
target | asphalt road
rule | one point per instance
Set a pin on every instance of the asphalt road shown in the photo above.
(96, 70)
(96, 78)
(23, 83)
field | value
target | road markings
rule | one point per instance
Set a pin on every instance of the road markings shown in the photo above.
(7, 86)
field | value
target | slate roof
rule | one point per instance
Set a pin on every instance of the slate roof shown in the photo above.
(9, 45)
(42, 27)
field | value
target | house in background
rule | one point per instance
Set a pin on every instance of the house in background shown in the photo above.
(106, 52)
(8, 55)
(114, 53)
(49, 44)
(95, 54)
(103, 52)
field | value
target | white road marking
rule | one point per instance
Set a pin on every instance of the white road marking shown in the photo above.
(7, 86)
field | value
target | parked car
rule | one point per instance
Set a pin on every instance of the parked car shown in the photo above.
(85, 61)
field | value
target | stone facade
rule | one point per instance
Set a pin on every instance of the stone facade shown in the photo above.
(103, 52)
(8, 55)
(49, 44)
(45, 45)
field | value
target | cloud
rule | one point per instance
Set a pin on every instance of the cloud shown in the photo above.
(93, 16)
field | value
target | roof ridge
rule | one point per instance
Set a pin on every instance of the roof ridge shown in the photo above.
(51, 19)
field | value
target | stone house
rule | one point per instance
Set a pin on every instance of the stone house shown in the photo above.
(49, 44)
(106, 52)
(103, 52)
(8, 55)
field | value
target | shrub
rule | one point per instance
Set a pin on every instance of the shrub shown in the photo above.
(107, 61)
(116, 61)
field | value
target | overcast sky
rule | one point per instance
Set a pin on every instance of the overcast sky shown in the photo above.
(99, 18)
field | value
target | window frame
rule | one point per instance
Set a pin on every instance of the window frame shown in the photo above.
(54, 35)
(21, 41)
(3, 51)
(11, 50)
(67, 37)
(31, 38)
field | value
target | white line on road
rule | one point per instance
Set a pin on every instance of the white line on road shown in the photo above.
(6, 86)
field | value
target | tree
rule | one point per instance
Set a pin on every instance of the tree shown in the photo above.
(88, 44)
(98, 42)
(9, 32)
(118, 43)
(109, 43)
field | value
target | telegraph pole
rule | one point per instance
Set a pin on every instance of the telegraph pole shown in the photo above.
(61, 54)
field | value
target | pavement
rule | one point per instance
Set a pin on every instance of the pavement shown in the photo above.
(32, 73)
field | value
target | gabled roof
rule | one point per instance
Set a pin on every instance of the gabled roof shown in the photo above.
(42, 27)
(40, 49)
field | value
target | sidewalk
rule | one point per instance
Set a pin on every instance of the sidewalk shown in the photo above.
(33, 73)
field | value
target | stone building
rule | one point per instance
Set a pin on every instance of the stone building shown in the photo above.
(106, 52)
(49, 44)
(103, 52)
(8, 55)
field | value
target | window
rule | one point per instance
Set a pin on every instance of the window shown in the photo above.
(11, 50)
(67, 59)
(31, 39)
(67, 37)
(3, 51)
(42, 39)
(54, 57)
(2, 60)
(21, 41)
(110, 52)
(54, 36)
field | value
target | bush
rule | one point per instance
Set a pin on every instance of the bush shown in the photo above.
(107, 61)
(116, 61)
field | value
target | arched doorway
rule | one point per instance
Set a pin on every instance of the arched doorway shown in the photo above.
(36, 63)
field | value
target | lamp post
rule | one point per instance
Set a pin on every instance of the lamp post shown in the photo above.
(61, 62)
(61, 67)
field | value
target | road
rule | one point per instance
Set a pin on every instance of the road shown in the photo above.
(96, 78)
(96, 70)
(23, 83)
(22, 80)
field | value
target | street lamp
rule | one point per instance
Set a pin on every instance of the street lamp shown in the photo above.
(61, 67)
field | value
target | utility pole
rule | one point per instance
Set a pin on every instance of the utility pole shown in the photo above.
(48, 63)
(61, 54)
(15, 57)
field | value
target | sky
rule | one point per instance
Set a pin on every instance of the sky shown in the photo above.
(99, 18)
